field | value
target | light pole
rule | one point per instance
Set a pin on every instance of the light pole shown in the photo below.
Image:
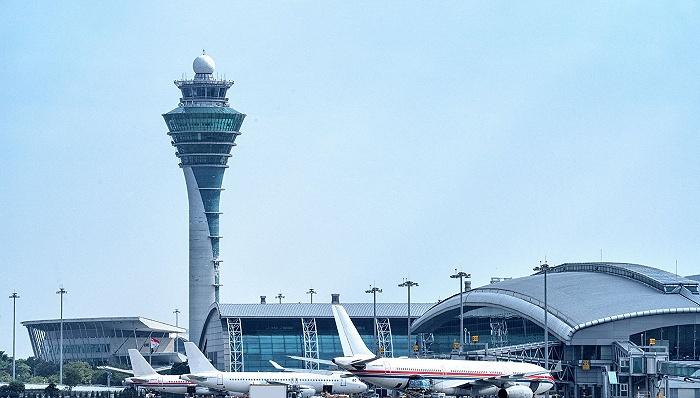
(279, 297)
(461, 275)
(408, 284)
(373, 290)
(311, 292)
(544, 268)
(177, 324)
(61, 291)
(14, 298)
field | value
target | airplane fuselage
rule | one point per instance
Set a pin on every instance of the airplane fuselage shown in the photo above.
(240, 381)
(452, 377)
(166, 383)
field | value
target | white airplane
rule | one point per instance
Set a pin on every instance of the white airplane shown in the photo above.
(452, 377)
(206, 375)
(145, 377)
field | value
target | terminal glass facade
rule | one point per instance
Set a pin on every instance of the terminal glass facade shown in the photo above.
(681, 341)
(275, 339)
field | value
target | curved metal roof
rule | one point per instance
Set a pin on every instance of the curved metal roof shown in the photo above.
(320, 310)
(656, 278)
(129, 323)
(580, 295)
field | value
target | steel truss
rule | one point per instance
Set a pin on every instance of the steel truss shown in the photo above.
(310, 342)
(385, 340)
(235, 341)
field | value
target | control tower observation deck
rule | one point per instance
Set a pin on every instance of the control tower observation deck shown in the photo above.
(203, 128)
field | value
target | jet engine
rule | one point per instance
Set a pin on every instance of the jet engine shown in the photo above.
(516, 391)
(305, 392)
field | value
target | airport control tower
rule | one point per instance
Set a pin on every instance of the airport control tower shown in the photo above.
(203, 128)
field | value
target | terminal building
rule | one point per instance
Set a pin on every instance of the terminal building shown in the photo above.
(105, 341)
(617, 329)
(241, 337)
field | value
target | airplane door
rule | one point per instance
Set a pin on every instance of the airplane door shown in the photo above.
(343, 381)
(220, 380)
(387, 368)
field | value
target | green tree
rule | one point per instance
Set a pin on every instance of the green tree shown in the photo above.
(5, 377)
(78, 372)
(38, 380)
(13, 389)
(51, 390)
(41, 367)
(23, 370)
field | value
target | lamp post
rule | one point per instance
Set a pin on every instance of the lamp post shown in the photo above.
(279, 297)
(461, 275)
(14, 296)
(373, 290)
(311, 292)
(177, 324)
(544, 268)
(61, 291)
(408, 284)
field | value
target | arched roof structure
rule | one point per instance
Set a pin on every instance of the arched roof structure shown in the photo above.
(582, 296)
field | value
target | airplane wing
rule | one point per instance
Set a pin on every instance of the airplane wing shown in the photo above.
(113, 369)
(319, 361)
(277, 366)
(501, 381)
(162, 368)
(139, 380)
(286, 383)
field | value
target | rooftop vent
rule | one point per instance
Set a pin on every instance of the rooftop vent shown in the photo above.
(262, 300)
(335, 298)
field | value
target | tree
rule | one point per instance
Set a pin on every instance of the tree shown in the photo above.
(5, 377)
(78, 372)
(38, 380)
(41, 367)
(51, 390)
(13, 389)
(23, 370)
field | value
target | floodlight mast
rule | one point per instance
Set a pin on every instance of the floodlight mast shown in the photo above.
(544, 267)
(373, 290)
(177, 324)
(461, 275)
(408, 284)
(311, 292)
(61, 291)
(14, 296)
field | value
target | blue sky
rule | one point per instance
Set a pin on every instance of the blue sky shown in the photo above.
(383, 140)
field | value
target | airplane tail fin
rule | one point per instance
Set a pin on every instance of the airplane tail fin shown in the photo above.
(197, 361)
(139, 365)
(350, 339)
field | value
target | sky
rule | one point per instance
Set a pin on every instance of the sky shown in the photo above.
(383, 140)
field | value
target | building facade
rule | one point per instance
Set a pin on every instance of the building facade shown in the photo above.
(105, 341)
(203, 128)
(246, 336)
(614, 327)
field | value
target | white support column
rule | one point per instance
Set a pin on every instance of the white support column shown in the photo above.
(386, 342)
(235, 341)
(310, 342)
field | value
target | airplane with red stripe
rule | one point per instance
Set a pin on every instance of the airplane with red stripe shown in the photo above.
(452, 377)
(146, 378)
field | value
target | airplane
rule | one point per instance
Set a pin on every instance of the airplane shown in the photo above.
(308, 384)
(452, 377)
(145, 377)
